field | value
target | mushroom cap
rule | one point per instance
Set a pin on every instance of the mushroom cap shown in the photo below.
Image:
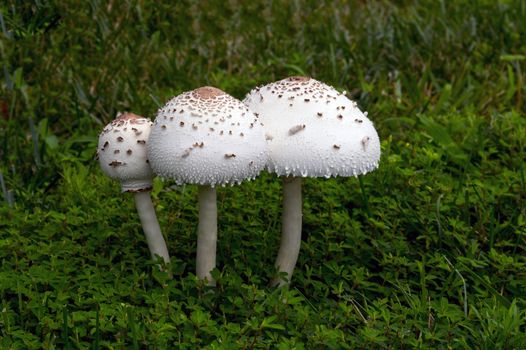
(207, 137)
(122, 152)
(314, 130)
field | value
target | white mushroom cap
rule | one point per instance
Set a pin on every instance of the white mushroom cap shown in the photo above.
(122, 152)
(207, 137)
(313, 130)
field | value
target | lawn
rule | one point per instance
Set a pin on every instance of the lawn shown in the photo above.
(428, 251)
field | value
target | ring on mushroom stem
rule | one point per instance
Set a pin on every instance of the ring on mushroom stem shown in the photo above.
(214, 158)
(302, 143)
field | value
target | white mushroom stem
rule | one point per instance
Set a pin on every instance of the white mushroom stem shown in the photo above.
(290, 230)
(206, 234)
(150, 226)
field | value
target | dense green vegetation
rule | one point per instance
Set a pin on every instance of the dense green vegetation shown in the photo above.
(428, 251)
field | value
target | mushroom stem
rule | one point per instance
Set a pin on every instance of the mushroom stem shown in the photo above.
(290, 230)
(206, 234)
(150, 225)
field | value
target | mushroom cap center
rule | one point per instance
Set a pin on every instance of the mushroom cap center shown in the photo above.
(207, 92)
(128, 116)
(299, 78)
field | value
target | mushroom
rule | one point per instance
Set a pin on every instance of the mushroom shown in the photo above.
(207, 137)
(122, 156)
(312, 130)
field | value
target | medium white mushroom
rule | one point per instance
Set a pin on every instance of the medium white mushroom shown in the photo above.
(122, 156)
(312, 130)
(209, 138)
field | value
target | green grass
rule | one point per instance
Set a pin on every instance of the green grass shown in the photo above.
(428, 251)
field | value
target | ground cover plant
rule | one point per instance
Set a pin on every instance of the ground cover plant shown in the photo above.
(428, 251)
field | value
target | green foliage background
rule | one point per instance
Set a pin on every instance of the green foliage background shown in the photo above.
(428, 251)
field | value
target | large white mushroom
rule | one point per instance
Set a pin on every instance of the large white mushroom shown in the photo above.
(122, 156)
(207, 137)
(312, 130)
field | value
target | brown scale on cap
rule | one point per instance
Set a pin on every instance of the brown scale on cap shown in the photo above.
(296, 129)
(207, 92)
(126, 116)
(365, 142)
(299, 78)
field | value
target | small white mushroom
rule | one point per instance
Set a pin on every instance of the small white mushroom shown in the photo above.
(131, 168)
(331, 137)
(222, 161)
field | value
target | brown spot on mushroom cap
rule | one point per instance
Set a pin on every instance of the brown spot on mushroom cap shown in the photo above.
(296, 129)
(299, 78)
(127, 116)
(365, 142)
(207, 92)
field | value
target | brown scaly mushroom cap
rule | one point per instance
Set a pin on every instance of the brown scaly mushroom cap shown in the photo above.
(122, 152)
(314, 130)
(207, 137)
